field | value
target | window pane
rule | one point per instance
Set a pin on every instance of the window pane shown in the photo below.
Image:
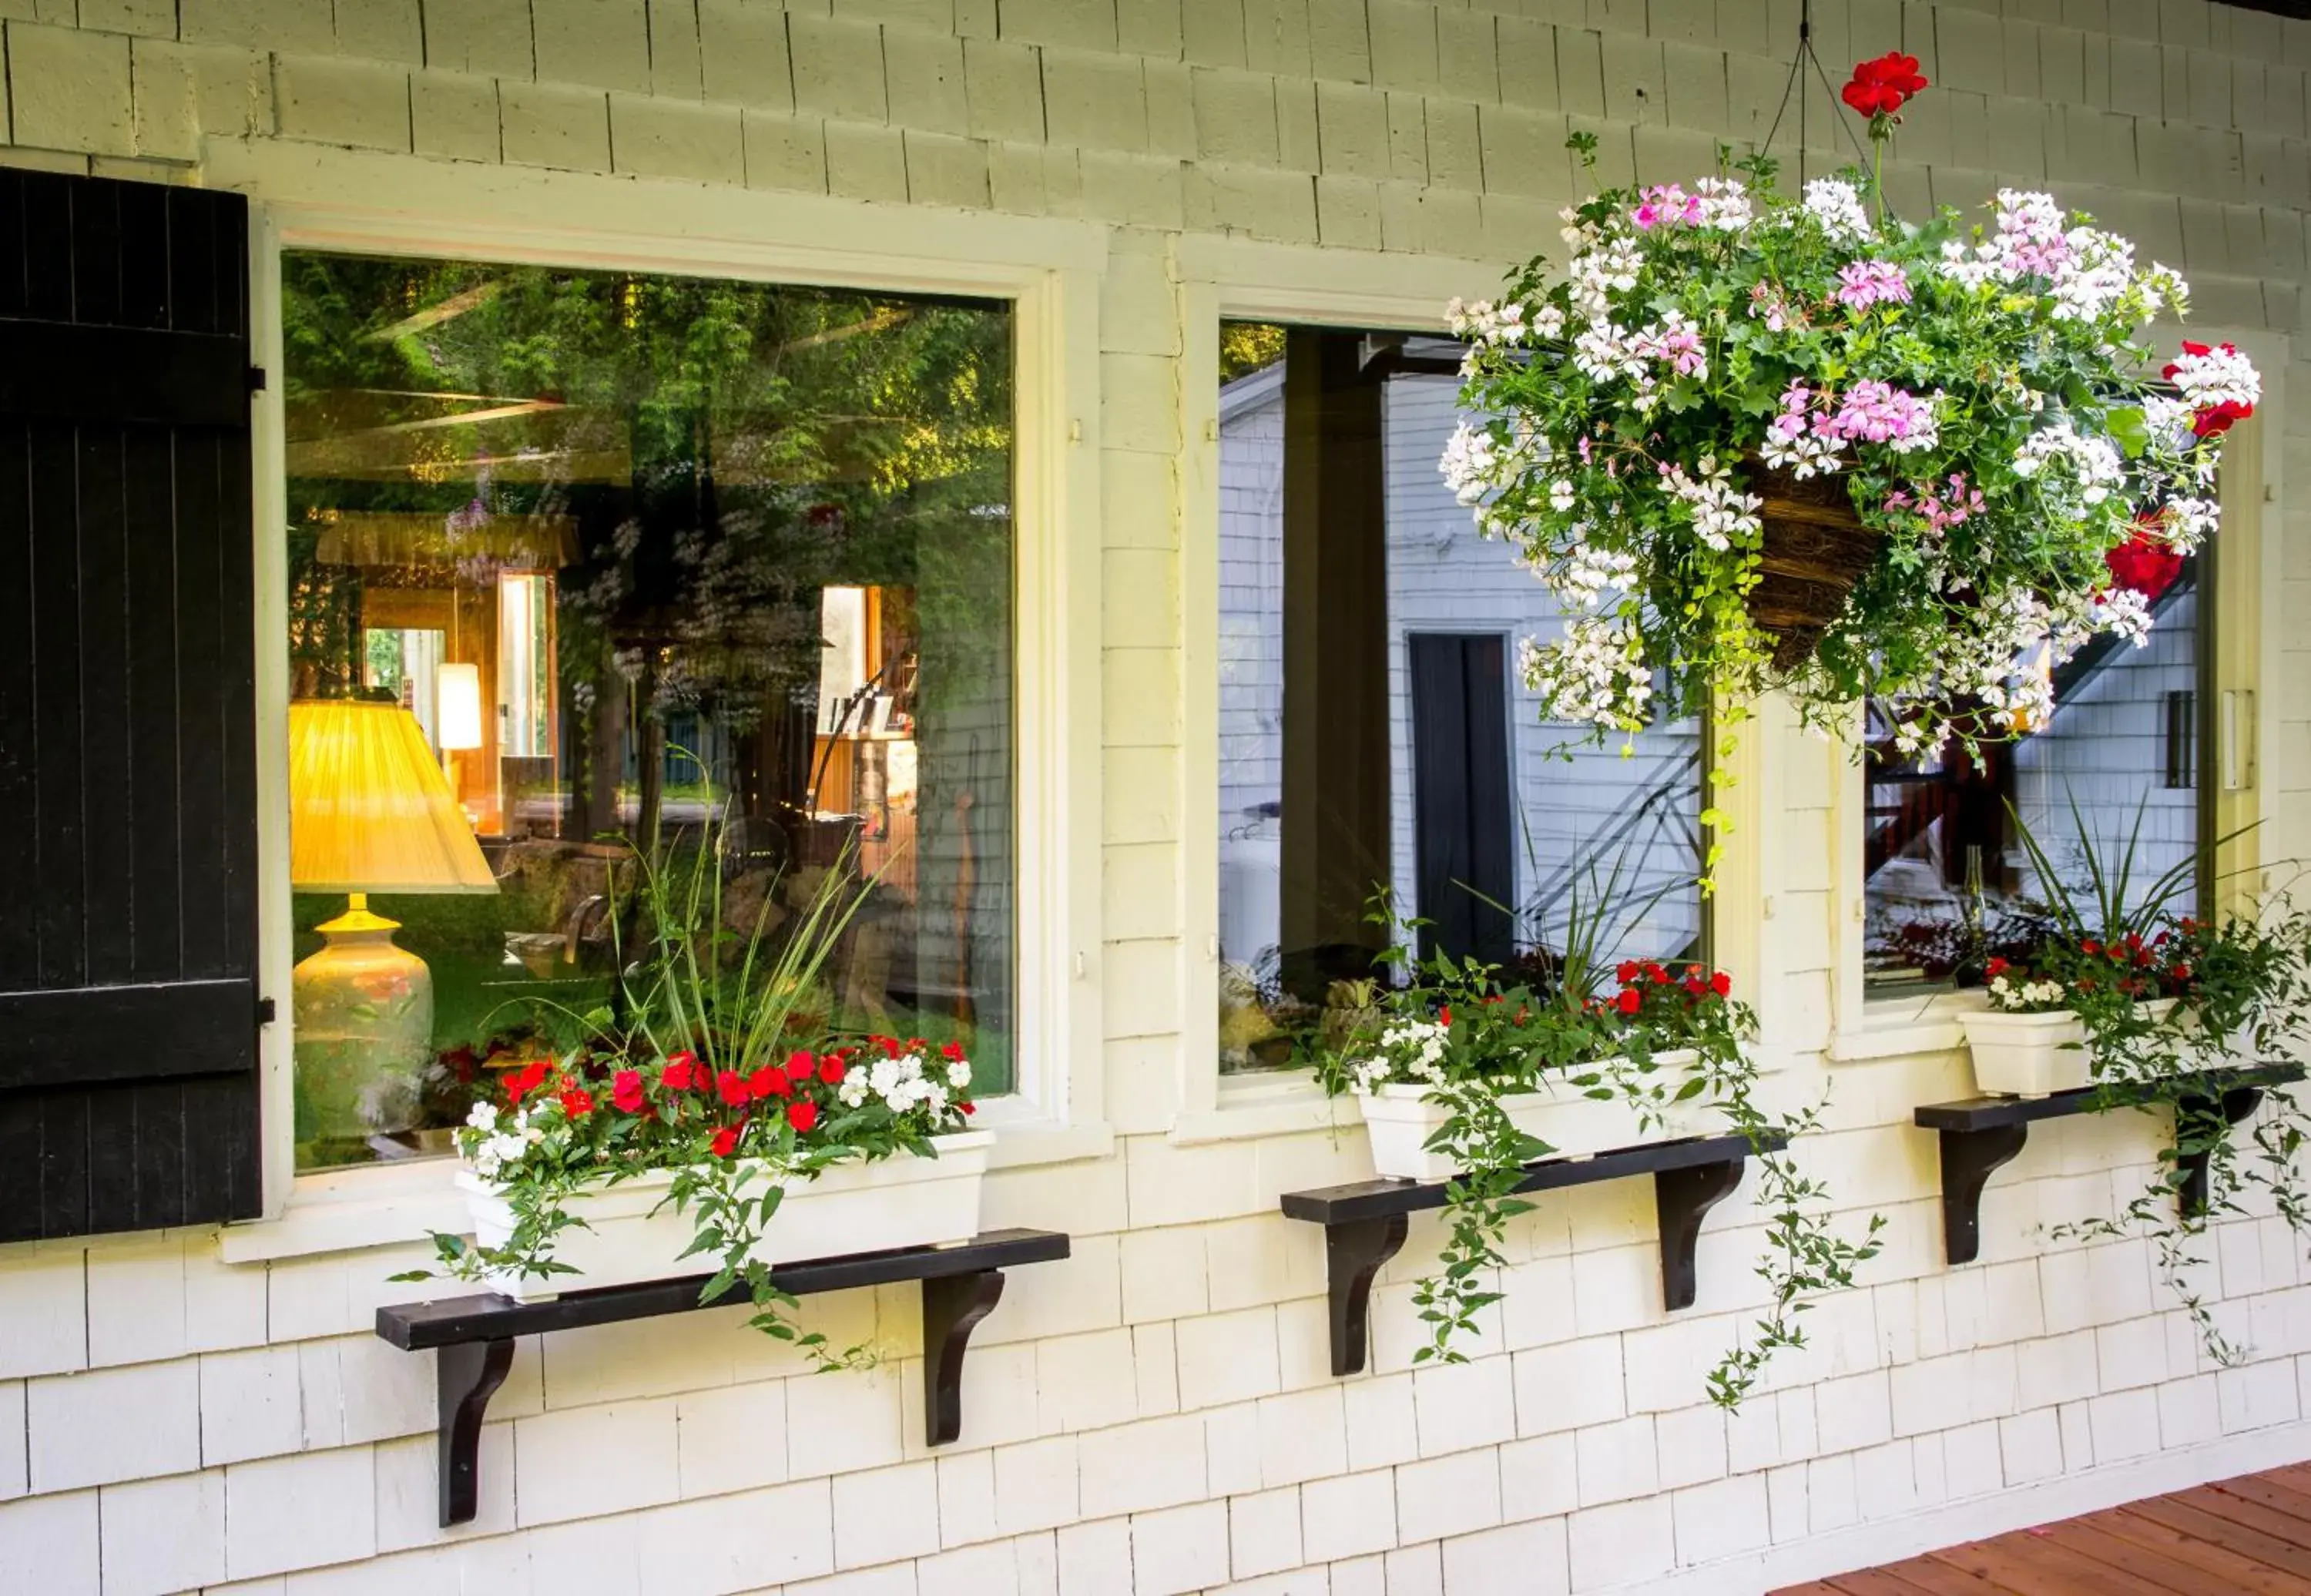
(1941, 850)
(1374, 729)
(634, 562)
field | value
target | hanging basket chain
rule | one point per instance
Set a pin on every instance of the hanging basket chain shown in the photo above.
(1790, 86)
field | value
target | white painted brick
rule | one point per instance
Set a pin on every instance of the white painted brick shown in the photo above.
(654, 137)
(1460, 1406)
(836, 1423)
(1450, 1496)
(1623, 1544)
(336, 101)
(1085, 1383)
(250, 1404)
(1303, 1436)
(1232, 1450)
(43, 1312)
(70, 90)
(1381, 1423)
(48, 1545)
(1095, 1559)
(2255, 1396)
(301, 1511)
(1565, 1387)
(129, 1423)
(1180, 1549)
(549, 124)
(558, 1459)
(163, 1535)
(1263, 1533)
(1227, 1358)
(1531, 1559)
(1158, 1462)
(885, 1515)
(733, 1439)
(1616, 1462)
(603, 43)
(1036, 1484)
(490, 36)
(1348, 1515)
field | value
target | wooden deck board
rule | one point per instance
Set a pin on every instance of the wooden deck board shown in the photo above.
(2249, 1536)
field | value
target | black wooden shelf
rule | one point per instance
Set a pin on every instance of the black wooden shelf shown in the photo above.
(1365, 1221)
(1981, 1133)
(475, 1335)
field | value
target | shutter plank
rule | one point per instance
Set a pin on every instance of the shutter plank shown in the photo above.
(13, 251)
(61, 1176)
(47, 246)
(106, 777)
(201, 813)
(1491, 826)
(235, 679)
(151, 721)
(56, 726)
(19, 784)
(96, 256)
(144, 256)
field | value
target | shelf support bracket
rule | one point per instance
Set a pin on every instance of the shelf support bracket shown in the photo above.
(953, 1306)
(1682, 1196)
(2198, 1113)
(1354, 1252)
(1968, 1157)
(466, 1375)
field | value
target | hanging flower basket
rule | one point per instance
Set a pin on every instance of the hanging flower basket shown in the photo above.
(1753, 440)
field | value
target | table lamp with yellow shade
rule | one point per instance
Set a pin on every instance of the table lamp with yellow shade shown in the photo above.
(368, 811)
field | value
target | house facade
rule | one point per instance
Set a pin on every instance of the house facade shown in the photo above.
(1044, 683)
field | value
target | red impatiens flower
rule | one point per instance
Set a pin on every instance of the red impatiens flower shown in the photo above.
(1879, 87)
(1444, 1016)
(726, 1140)
(733, 1089)
(831, 1070)
(1625, 971)
(522, 1082)
(679, 1070)
(1721, 983)
(626, 1091)
(1630, 1000)
(1996, 967)
(802, 1113)
(800, 1065)
(951, 1053)
(768, 1081)
(968, 1107)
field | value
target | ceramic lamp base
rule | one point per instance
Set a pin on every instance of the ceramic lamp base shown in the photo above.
(364, 1029)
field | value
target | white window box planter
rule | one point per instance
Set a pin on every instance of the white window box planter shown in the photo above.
(1399, 1120)
(2034, 1055)
(633, 1234)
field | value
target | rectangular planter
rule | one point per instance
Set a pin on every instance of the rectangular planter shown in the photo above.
(2033, 1055)
(633, 1234)
(1398, 1120)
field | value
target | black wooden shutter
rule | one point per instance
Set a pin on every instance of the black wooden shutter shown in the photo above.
(1462, 816)
(128, 1009)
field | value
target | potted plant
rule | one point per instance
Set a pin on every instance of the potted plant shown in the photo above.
(715, 1115)
(1464, 1079)
(1752, 441)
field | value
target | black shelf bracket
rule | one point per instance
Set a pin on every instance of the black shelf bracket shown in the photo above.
(473, 1336)
(1365, 1222)
(1980, 1134)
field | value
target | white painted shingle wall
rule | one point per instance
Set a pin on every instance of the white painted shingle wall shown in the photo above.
(1155, 1415)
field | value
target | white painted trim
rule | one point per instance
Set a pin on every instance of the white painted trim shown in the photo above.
(1998, 1511)
(309, 197)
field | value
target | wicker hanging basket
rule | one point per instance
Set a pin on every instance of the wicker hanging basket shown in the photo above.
(1815, 550)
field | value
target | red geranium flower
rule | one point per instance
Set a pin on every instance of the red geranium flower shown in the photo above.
(1879, 87)
(799, 1064)
(678, 1070)
(577, 1102)
(768, 1081)
(831, 1070)
(733, 1088)
(968, 1108)
(1625, 971)
(1996, 967)
(1721, 983)
(1630, 1000)
(1444, 1016)
(726, 1140)
(802, 1113)
(522, 1082)
(626, 1091)
(951, 1053)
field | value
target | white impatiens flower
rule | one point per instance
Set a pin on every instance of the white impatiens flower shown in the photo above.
(1834, 204)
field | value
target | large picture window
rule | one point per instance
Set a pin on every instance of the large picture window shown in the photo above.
(1374, 730)
(2122, 760)
(593, 568)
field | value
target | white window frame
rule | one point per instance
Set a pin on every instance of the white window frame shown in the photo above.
(1050, 271)
(1236, 280)
(1867, 1027)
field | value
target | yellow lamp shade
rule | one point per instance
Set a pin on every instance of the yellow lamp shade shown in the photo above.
(369, 808)
(458, 698)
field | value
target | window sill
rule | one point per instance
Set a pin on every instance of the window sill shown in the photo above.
(348, 1210)
(1247, 1109)
(1894, 1027)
